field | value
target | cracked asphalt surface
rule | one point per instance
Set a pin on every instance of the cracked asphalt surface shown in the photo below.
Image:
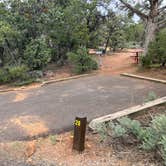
(53, 108)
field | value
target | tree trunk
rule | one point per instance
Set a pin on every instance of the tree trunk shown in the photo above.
(2, 56)
(107, 42)
(150, 33)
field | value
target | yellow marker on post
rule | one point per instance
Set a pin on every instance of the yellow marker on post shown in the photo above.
(77, 123)
(79, 134)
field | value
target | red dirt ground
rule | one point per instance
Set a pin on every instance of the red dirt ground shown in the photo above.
(122, 62)
(117, 63)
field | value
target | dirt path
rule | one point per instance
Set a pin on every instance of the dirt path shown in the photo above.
(121, 62)
(117, 63)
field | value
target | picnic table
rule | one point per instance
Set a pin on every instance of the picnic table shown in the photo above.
(99, 53)
(96, 52)
(136, 56)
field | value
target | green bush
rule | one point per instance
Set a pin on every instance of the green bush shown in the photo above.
(163, 148)
(17, 72)
(117, 130)
(4, 78)
(152, 137)
(157, 49)
(11, 74)
(37, 54)
(154, 133)
(102, 130)
(81, 61)
(151, 96)
(53, 139)
(146, 61)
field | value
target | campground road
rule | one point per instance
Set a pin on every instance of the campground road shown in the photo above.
(53, 108)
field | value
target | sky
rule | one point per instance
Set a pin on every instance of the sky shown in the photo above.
(113, 6)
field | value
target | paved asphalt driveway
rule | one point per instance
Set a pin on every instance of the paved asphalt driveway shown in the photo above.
(52, 108)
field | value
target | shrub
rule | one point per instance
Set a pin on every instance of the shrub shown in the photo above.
(152, 137)
(130, 125)
(163, 148)
(4, 77)
(37, 54)
(102, 130)
(117, 130)
(18, 75)
(53, 139)
(157, 49)
(17, 72)
(81, 61)
(151, 96)
(154, 133)
(145, 61)
(13, 73)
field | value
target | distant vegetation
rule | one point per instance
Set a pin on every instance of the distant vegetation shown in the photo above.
(157, 51)
(35, 33)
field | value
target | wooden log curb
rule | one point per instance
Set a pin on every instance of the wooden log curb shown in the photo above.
(49, 82)
(144, 78)
(67, 78)
(125, 112)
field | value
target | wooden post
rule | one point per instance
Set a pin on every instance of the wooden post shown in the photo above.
(79, 134)
(137, 58)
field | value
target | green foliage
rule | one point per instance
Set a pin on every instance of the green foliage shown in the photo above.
(151, 96)
(130, 125)
(113, 32)
(18, 75)
(37, 54)
(117, 40)
(4, 78)
(163, 148)
(154, 133)
(132, 45)
(146, 61)
(26, 81)
(102, 130)
(13, 73)
(159, 124)
(134, 32)
(157, 49)
(67, 25)
(152, 137)
(53, 139)
(7, 32)
(149, 139)
(7, 42)
(117, 130)
(17, 72)
(81, 61)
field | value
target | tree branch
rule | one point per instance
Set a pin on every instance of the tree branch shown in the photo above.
(162, 9)
(162, 25)
(139, 13)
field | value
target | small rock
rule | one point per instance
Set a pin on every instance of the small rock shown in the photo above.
(48, 74)
(31, 149)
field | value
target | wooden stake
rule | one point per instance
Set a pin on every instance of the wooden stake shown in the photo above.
(79, 134)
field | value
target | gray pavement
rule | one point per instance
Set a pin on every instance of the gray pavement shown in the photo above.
(53, 108)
